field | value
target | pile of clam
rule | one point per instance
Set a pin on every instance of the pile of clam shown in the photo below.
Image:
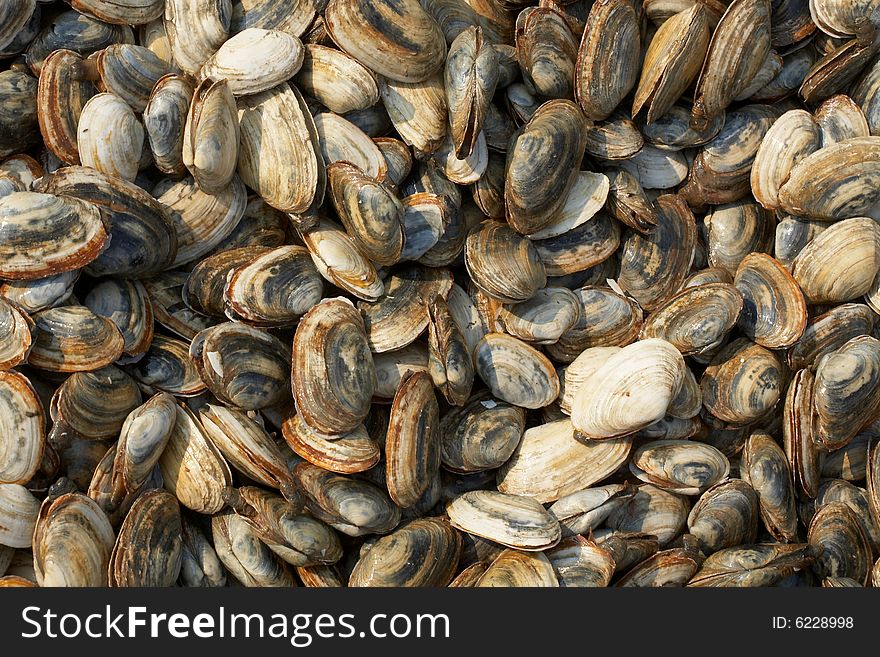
(440, 292)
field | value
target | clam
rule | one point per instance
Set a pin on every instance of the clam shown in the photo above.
(292, 17)
(59, 234)
(579, 562)
(254, 60)
(351, 506)
(681, 466)
(513, 568)
(544, 318)
(201, 220)
(273, 287)
(395, 38)
(127, 305)
(852, 245)
(279, 155)
(543, 161)
(480, 435)
(503, 264)
(512, 520)
(412, 445)
(762, 564)
(515, 372)
(835, 182)
(618, 138)
(62, 93)
(193, 469)
(742, 382)
(797, 435)
(248, 447)
(726, 515)
(584, 510)
(470, 78)
(418, 111)
(673, 567)
(143, 237)
(211, 136)
(245, 556)
(586, 198)
(14, 17)
(846, 392)
(19, 510)
(73, 540)
(129, 72)
(74, 339)
(242, 366)
(340, 262)
(607, 319)
(333, 376)
(400, 316)
(74, 31)
(672, 61)
(774, 311)
(450, 362)
(148, 550)
(736, 230)
(729, 68)
(165, 116)
(353, 452)
(16, 335)
(342, 141)
(110, 137)
(849, 462)
(842, 547)
(167, 367)
(765, 467)
(128, 12)
(550, 463)
(200, 565)
(793, 136)
(142, 438)
(428, 542)
(546, 48)
(631, 389)
(651, 511)
(23, 429)
(697, 319)
(654, 266)
(608, 58)
(838, 490)
(336, 79)
(371, 214)
(196, 30)
(391, 366)
(580, 248)
(425, 218)
(204, 288)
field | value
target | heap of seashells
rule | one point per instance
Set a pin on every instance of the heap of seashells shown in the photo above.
(440, 293)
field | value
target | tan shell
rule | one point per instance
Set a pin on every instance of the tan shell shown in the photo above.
(793, 136)
(512, 520)
(348, 454)
(630, 390)
(61, 95)
(110, 137)
(516, 372)
(550, 462)
(74, 339)
(211, 136)
(774, 310)
(193, 469)
(395, 38)
(196, 29)
(418, 111)
(336, 79)
(23, 429)
(513, 568)
(742, 382)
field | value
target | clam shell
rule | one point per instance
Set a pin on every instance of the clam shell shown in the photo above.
(696, 319)
(418, 111)
(167, 367)
(193, 469)
(793, 136)
(762, 564)
(765, 467)
(351, 506)
(72, 543)
(255, 60)
(513, 568)
(16, 335)
(429, 542)
(165, 117)
(774, 310)
(736, 230)
(515, 372)
(61, 95)
(395, 38)
(61, 234)
(503, 264)
(547, 49)
(681, 466)
(333, 376)
(74, 31)
(542, 164)
(148, 550)
(353, 452)
(127, 12)
(19, 512)
(797, 435)
(651, 511)
(110, 137)
(841, 544)
(412, 445)
(608, 58)
(512, 520)
(73, 339)
(196, 29)
(550, 463)
(23, 429)
(742, 382)
(336, 80)
(211, 136)
(630, 390)
(450, 363)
